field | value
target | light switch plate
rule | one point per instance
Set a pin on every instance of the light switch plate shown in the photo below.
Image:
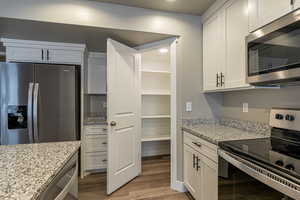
(188, 107)
(245, 107)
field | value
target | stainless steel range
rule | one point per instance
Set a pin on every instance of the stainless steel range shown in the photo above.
(269, 167)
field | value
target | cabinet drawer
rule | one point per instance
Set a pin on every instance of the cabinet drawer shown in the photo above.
(206, 148)
(94, 161)
(24, 54)
(92, 130)
(96, 143)
(63, 56)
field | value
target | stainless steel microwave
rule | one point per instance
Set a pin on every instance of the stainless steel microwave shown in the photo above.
(273, 52)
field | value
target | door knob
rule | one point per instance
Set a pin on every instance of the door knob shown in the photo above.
(113, 123)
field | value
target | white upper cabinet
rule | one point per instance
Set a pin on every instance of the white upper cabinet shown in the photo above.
(253, 15)
(268, 10)
(63, 56)
(24, 54)
(262, 12)
(97, 73)
(213, 55)
(43, 52)
(236, 30)
(224, 47)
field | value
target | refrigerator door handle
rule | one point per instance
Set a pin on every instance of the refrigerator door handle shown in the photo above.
(35, 113)
(29, 112)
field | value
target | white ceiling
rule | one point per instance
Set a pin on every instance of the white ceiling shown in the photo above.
(94, 37)
(194, 7)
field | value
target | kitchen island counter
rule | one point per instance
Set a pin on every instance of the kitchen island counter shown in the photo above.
(28, 169)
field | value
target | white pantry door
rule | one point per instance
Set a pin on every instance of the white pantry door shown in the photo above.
(123, 103)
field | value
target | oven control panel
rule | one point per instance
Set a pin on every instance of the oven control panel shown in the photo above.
(285, 118)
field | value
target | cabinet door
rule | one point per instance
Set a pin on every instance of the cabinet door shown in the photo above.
(209, 181)
(253, 15)
(190, 173)
(24, 54)
(97, 75)
(63, 56)
(236, 30)
(213, 57)
(297, 4)
(269, 10)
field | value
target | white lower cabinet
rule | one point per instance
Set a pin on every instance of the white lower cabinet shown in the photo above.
(192, 176)
(297, 4)
(200, 168)
(95, 148)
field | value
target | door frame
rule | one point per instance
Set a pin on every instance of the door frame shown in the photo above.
(172, 43)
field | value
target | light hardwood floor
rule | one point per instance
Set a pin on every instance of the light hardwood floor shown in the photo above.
(153, 184)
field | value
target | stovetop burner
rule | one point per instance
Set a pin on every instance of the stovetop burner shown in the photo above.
(281, 152)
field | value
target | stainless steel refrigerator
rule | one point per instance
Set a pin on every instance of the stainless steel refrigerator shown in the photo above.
(39, 103)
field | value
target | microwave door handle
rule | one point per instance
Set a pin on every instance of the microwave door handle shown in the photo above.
(29, 112)
(35, 113)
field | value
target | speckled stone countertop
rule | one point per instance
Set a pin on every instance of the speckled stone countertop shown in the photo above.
(27, 169)
(216, 131)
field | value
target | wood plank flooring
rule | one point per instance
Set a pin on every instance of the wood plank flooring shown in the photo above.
(153, 184)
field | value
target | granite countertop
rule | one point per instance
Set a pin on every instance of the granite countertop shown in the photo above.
(227, 130)
(27, 169)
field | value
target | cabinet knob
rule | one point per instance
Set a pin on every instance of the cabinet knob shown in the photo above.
(113, 123)
(104, 142)
(104, 129)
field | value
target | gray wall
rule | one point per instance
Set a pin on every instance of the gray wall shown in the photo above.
(91, 13)
(260, 102)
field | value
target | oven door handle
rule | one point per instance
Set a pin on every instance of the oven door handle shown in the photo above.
(267, 177)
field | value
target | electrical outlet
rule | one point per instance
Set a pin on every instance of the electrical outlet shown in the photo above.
(245, 107)
(188, 107)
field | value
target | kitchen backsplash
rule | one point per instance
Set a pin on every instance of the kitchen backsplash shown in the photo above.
(97, 106)
(260, 102)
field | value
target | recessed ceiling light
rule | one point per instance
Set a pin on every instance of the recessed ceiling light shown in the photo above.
(163, 50)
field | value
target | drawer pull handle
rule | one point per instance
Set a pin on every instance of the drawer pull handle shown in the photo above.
(194, 163)
(197, 144)
(104, 142)
(104, 129)
(198, 164)
(104, 160)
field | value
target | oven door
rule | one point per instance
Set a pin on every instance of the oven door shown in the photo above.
(273, 52)
(247, 181)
